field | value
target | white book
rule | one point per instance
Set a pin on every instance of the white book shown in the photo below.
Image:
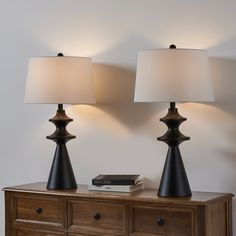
(117, 188)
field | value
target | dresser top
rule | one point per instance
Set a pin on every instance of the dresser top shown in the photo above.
(146, 195)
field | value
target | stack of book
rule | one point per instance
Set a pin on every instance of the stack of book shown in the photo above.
(116, 183)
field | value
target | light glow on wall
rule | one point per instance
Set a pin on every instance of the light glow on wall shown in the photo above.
(88, 115)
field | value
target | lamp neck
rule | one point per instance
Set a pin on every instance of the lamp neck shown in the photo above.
(172, 106)
(60, 107)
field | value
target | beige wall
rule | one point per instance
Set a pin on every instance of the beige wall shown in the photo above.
(116, 135)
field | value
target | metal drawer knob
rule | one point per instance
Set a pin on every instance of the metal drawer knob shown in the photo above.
(39, 210)
(160, 222)
(97, 216)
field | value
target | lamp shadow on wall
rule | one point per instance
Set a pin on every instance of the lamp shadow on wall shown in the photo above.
(115, 95)
(223, 73)
(222, 113)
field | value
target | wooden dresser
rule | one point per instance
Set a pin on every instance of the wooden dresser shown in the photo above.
(32, 210)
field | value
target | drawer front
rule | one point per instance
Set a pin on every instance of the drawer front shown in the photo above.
(161, 221)
(39, 209)
(19, 232)
(91, 216)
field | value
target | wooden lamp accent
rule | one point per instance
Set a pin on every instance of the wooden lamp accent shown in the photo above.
(173, 75)
(60, 80)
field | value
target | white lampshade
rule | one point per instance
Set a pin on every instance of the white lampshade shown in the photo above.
(173, 75)
(59, 80)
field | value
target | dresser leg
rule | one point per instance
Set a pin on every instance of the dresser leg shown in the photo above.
(8, 220)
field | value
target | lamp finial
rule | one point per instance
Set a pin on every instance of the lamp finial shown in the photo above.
(172, 46)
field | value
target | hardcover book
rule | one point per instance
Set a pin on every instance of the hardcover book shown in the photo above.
(115, 180)
(117, 188)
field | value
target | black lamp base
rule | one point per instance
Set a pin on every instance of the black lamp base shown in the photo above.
(174, 181)
(61, 175)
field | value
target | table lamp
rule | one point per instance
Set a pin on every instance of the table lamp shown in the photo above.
(173, 75)
(60, 80)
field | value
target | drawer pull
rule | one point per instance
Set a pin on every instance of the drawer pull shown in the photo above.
(160, 222)
(39, 210)
(97, 216)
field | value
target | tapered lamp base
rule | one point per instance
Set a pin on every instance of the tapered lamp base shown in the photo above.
(174, 181)
(61, 175)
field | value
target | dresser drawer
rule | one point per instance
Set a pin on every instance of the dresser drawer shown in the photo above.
(161, 221)
(39, 209)
(102, 217)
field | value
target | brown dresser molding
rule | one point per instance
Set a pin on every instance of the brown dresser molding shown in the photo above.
(32, 210)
